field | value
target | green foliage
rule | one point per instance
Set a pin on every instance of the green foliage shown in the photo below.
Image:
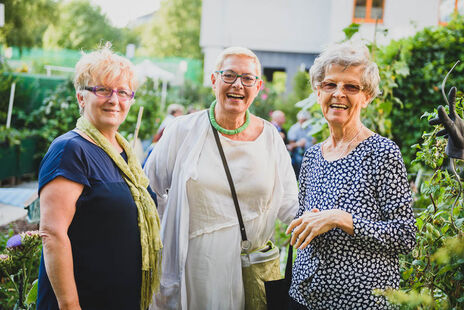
(19, 265)
(57, 115)
(433, 275)
(25, 21)
(351, 30)
(319, 127)
(13, 136)
(82, 25)
(5, 88)
(148, 97)
(301, 90)
(267, 101)
(413, 69)
(191, 94)
(4, 238)
(175, 31)
(31, 297)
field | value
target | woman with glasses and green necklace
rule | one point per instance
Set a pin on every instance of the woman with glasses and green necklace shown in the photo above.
(200, 229)
(98, 220)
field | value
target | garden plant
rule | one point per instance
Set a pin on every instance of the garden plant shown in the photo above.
(433, 275)
(19, 263)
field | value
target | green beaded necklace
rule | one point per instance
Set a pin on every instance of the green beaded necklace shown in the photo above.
(227, 131)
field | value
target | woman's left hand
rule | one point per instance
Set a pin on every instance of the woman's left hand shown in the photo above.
(314, 223)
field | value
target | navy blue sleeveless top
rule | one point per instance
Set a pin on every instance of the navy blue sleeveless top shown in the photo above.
(104, 232)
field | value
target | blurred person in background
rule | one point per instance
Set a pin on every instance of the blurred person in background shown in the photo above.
(98, 219)
(192, 109)
(299, 140)
(355, 214)
(278, 120)
(174, 110)
(201, 258)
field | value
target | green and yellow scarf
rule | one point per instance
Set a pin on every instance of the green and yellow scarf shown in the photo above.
(148, 218)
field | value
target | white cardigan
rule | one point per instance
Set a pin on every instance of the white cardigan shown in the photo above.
(170, 165)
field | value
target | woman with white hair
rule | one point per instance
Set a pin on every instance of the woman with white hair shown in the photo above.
(200, 228)
(355, 213)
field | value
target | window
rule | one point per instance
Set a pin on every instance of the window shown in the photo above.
(448, 8)
(368, 11)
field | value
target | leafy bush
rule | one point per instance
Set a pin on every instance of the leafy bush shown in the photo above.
(433, 275)
(57, 115)
(413, 69)
(149, 97)
(266, 101)
(301, 90)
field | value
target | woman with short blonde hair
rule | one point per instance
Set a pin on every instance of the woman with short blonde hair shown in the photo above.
(99, 223)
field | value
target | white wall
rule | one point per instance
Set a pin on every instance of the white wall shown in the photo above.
(269, 25)
(301, 26)
(402, 18)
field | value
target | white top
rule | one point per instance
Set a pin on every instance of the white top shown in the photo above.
(201, 256)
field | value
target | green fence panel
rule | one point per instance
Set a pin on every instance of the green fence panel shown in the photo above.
(8, 160)
(31, 89)
(37, 58)
(26, 162)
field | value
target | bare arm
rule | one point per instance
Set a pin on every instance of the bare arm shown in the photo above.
(57, 207)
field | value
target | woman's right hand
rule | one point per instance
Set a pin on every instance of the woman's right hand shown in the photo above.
(314, 223)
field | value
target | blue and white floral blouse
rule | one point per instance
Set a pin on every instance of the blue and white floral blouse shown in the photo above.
(339, 271)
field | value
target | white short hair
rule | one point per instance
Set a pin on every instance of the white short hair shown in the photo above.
(238, 51)
(347, 54)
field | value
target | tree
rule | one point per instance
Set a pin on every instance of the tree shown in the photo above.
(26, 21)
(174, 30)
(82, 25)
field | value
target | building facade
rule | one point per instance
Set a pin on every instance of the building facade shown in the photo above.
(287, 35)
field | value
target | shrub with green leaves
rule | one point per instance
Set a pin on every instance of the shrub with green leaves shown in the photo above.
(413, 69)
(433, 275)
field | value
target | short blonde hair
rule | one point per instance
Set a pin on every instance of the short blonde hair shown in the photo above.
(238, 51)
(347, 54)
(104, 66)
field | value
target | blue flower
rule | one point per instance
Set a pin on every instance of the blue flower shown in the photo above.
(14, 241)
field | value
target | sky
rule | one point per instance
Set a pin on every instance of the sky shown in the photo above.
(120, 13)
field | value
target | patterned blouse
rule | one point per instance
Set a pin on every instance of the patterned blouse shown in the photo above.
(339, 271)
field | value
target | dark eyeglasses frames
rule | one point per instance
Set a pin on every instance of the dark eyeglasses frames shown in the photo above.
(229, 77)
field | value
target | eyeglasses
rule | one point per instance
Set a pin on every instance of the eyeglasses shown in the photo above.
(229, 77)
(348, 89)
(106, 92)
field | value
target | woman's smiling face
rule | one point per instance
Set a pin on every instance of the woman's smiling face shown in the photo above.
(339, 107)
(236, 98)
(105, 113)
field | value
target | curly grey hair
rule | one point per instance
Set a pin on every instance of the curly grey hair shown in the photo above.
(347, 54)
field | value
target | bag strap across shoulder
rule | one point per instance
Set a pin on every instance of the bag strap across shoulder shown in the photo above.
(246, 244)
